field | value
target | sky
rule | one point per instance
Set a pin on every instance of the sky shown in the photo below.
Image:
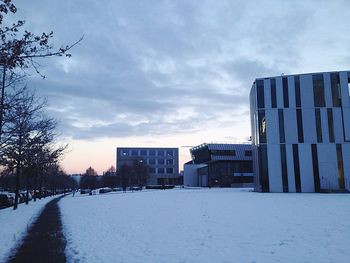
(161, 73)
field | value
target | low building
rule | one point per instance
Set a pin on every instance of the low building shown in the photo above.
(223, 165)
(163, 162)
(301, 132)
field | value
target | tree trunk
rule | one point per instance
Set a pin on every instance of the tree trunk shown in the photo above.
(17, 187)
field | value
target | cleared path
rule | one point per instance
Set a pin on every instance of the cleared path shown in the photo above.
(45, 241)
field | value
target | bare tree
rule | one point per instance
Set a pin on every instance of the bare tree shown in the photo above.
(20, 49)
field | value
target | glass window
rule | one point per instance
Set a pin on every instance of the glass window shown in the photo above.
(151, 161)
(285, 92)
(152, 170)
(169, 161)
(152, 153)
(160, 170)
(260, 94)
(263, 171)
(248, 153)
(169, 153)
(300, 126)
(281, 126)
(143, 153)
(124, 152)
(318, 87)
(160, 153)
(336, 93)
(160, 161)
(349, 84)
(169, 170)
(134, 152)
(262, 126)
(297, 91)
(330, 125)
(318, 125)
(315, 167)
(340, 167)
(284, 168)
(296, 168)
(273, 93)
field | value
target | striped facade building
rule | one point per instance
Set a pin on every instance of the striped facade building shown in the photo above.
(301, 132)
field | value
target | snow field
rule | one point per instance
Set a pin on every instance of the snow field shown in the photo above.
(207, 225)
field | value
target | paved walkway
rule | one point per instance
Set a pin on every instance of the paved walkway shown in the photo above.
(45, 241)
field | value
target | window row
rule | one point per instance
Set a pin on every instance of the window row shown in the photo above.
(318, 88)
(161, 170)
(135, 152)
(161, 161)
(262, 130)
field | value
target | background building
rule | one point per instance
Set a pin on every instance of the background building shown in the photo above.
(163, 162)
(225, 165)
(301, 132)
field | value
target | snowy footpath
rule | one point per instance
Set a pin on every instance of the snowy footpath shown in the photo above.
(14, 224)
(207, 225)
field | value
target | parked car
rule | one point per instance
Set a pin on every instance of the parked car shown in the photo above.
(5, 201)
(105, 190)
(84, 191)
(135, 188)
(117, 189)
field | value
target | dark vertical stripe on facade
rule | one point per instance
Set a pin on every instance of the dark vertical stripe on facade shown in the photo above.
(330, 125)
(262, 126)
(264, 173)
(260, 94)
(315, 167)
(318, 88)
(296, 168)
(284, 168)
(318, 125)
(281, 125)
(300, 126)
(297, 91)
(340, 167)
(336, 91)
(273, 93)
(285, 92)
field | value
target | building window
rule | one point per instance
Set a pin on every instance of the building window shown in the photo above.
(160, 170)
(336, 92)
(223, 152)
(315, 167)
(318, 125)
(348, 84)
(143, 153)
(152, 170)
(169, 153)
(263, 171)
(281, 126)
(248, 152)
(134, 153)
(169, 161)
(160, 161)
(169, 170)
(284, 168)
(300, 126)
(340, 167)
(297, 91)
(151, 161)
(330, 125)
(285, 92)
(124, 152)
(160, 153)
(152, 153)
(273, 93)
(262, 126)
(296, 168)
(260, 94)
(318, 88)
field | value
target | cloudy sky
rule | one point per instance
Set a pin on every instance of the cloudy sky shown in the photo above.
(173, 73)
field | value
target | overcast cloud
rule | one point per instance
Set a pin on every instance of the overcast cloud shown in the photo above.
(160, 67)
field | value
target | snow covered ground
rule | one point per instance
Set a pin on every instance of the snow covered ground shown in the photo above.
(14, 224)
(207, 225)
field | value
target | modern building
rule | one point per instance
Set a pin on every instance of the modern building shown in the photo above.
(301, 132)
(163, 162)
(224, 165)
